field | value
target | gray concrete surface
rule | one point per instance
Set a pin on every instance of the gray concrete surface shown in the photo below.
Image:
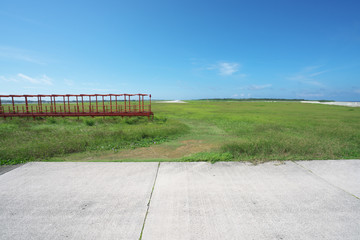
(344, 174)
(75, 200)
(226, 200)
(240, 201)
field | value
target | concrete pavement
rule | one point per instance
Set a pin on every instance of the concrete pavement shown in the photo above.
(344, 174)
(226, 200)
(75, 200)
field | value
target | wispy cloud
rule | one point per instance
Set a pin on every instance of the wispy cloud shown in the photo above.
(30, 79)
(40, 80)
(305, 79)
(20, 55)
(221, 68)
(45, 79)
(312, 68)
(308, 76)
(225, 68)
(317, 73)
(8, 79)
(20, 77)
(259, 87)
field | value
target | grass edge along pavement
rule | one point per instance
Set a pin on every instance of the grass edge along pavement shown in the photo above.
(259, 131)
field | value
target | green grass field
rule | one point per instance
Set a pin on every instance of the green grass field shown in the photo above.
(195, 131)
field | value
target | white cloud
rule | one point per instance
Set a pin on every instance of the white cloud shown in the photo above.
(41, 80)
(30, 79)
(226, 68)
(259, 87)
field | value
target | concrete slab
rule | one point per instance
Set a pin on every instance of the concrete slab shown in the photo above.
(75, 200)
(344, 174)
(232, 200)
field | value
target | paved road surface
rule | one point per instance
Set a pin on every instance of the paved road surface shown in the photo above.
(226, 200)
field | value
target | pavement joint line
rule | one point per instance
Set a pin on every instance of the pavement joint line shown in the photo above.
(298, 164)
(148, 204)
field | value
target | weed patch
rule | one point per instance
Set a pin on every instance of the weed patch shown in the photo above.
(28, 140)
(212, 157)
(90, 122)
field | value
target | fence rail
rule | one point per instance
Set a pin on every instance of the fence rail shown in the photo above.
(71, 105)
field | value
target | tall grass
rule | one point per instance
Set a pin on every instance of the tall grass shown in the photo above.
(247, 131)
(277, 130)
(25, 139)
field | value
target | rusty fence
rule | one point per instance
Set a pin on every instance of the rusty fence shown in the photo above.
(70, 105)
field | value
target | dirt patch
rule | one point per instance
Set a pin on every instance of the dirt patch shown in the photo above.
(163, 151)
(204, 137)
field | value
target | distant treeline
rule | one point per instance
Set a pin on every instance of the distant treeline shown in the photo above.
(260, 99)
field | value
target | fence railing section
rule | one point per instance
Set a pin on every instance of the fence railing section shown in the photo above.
(75, 105)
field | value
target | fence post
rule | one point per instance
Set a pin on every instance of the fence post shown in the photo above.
(125, 101)
(13, 103)
(150, 103)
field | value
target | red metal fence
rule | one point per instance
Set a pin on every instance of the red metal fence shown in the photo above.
(70, 105)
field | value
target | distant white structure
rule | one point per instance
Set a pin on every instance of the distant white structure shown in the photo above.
(347, 104)
(174, 101)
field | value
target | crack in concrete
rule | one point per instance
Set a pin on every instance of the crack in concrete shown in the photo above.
(298, 164)
(148, 204)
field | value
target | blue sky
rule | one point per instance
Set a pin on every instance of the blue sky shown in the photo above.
(182, 49)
